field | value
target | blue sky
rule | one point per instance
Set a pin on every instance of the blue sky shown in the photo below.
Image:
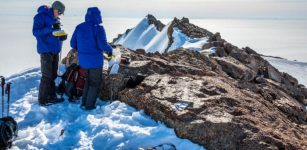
(246, 9)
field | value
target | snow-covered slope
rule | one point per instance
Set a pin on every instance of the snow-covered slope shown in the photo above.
(294, 68)
(113, 125)
(147, 37)
(139, 36)
(182, 40)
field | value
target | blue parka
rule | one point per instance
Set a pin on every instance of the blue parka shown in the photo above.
(42, 30)
(89, 39)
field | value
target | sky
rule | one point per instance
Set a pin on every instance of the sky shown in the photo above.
(241, 22)
(197, 9)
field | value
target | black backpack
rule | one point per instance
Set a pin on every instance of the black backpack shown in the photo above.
(72, 82)
(8, 130)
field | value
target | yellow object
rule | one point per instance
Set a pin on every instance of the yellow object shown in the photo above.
(107, 57)
(59, 33)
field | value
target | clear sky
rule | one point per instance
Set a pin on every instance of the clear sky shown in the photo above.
(290, 9)
(240, 9)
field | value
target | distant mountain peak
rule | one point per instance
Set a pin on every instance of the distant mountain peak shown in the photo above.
(153, 36)
(152, 20)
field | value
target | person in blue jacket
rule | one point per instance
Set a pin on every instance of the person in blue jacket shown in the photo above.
(89, 39)
(46, 22)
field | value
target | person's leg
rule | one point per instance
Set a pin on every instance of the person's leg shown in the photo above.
(85, 89)
(55, 61)
(44, 87)
(95, 78)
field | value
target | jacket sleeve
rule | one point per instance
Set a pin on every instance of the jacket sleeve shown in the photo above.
(73, 41)
(38, 27)
(102, 40)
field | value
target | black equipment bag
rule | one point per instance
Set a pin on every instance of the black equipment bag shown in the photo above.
(8, 130)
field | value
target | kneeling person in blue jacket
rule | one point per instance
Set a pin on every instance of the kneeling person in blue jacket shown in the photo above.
(46, 23)
(89, 39)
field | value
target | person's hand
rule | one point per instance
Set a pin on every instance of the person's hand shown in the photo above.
(110, 54)
(63, 37)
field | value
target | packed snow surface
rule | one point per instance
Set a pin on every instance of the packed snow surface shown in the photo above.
(112, 125)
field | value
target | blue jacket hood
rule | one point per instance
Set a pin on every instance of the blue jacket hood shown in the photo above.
(45, 9)
(93, 15)
(42, 9)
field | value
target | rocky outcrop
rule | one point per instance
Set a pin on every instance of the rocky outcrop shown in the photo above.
(233, 99)
(158, 24)
(221, 111)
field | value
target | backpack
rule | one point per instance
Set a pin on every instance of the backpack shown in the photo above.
(8, 130)
(75, 80)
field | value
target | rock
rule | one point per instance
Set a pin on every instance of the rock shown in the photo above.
(250, 51)
(216, 37)
(228, 47)
(236, 70)
(207, 46)
(71, 58)
(274, 74)
(217, 43)
(240, 56)
(111, 86)
(226, 104)
(140, 51)
(289, 80)
(260, 80)
(189, 29)
(304, 90)
(220, 52)
(152, 20)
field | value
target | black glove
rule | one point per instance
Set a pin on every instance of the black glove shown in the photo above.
(63, 37)
(56, 26)
(113, 46)
(110, 54)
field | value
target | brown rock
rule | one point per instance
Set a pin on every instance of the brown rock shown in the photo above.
(220, 52)
(140, 51)
(235, 69)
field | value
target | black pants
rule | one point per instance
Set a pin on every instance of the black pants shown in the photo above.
(91, 87)
(49, 67)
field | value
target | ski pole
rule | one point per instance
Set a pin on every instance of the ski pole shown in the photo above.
(8, 92)
(2, 87)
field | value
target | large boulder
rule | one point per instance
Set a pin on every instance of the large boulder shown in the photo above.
(236, 69)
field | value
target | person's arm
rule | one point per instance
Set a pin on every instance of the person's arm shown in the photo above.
(38, 27)
(73, 41)
(102, 41)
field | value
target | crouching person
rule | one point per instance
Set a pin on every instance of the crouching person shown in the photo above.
(89, 39)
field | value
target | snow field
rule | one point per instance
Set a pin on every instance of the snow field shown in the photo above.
(112, 125)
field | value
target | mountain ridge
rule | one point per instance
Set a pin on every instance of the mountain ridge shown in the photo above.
(210, 91)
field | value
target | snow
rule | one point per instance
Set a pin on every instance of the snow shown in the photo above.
(159, 42)
(182, 40)
(208, 51)
(112, 125)
(294, 68)
(139, 36)
(147, 37)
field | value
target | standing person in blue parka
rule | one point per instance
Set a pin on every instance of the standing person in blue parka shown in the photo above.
(89, 39)
(46, 23)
